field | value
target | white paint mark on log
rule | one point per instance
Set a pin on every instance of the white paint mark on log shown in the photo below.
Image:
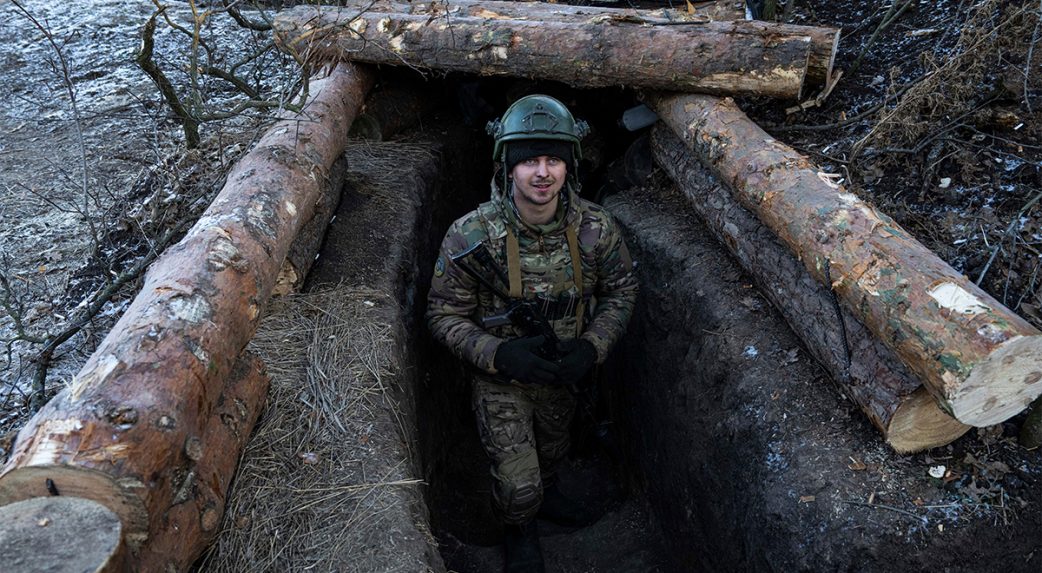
(87, 379)
(259, 214)
(67, 426)
(500, 52)
(190, 308)
(957, 299)
(290, 207)
(848, 198)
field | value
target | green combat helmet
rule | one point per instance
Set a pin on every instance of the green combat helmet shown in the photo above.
(537, 117)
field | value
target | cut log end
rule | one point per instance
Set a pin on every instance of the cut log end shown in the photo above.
(824, 47)
(30, 482)
(60, 534)
(1002, 385)
(918, 424)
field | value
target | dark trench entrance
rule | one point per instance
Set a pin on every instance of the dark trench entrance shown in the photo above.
(455, 467)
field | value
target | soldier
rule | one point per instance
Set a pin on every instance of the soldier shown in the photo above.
(567, 256)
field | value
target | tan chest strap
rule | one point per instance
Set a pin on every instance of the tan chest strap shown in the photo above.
(514, 271)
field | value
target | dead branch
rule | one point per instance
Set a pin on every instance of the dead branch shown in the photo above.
(895, 12)
(243, 21)
(144, 60)
(191, 107)
(1006, 234)
(1030, 56)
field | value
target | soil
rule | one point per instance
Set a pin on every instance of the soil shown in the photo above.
(754, 453)
(963, 184)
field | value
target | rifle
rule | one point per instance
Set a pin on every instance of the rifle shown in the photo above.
(527, 316)
(524, 314)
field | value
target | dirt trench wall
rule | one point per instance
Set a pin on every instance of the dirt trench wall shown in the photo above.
(749, 454)
(335, 483)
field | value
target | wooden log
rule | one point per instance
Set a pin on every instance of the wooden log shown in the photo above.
(869, 372)
(385, 113)
(715, 57)
(122, 429)
(60, 534)
(824, 41)
(305, 247)
(723, 11)
(981, 361)
(193, 520)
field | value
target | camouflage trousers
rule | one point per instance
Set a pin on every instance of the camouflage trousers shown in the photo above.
(525, 431)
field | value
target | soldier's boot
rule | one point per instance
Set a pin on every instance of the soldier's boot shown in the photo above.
(523, 554)
(562, 510)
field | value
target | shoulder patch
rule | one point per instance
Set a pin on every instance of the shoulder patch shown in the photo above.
(439, 266)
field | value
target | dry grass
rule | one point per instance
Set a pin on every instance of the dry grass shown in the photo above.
(325, 483)
(992, 52)
(381, 161)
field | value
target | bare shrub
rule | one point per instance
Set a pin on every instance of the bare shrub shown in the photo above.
(989, 61)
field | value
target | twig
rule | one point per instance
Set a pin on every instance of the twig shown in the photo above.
(243, 21)
(915, 516)
(53, 341)
(856, 118)
(232, 79)
(1006, 233)
(1031, 52)
(888, 19)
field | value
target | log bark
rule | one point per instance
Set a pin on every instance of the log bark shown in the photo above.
(121, 430)
(824, 41)
(981, 361)
(869, 372)
(306, 245)
(723, 11)
(61, 534)
(193, 521)
(714, 57)
(385, 113)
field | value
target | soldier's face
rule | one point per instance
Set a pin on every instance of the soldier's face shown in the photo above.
(538, 180)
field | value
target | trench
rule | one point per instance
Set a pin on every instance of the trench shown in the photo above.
(714, 444)
(448, 179)
(653, 465)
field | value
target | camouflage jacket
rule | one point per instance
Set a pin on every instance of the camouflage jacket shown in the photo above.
(457, 302)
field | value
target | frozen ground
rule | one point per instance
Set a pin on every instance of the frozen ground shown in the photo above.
(91, 166)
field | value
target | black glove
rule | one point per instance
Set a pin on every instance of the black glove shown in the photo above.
(579, 357)
(517, 359)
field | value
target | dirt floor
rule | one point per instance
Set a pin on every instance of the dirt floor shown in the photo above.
(939, 125)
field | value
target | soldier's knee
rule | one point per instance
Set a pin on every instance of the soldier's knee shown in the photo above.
(518, 503)
(519, 489)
